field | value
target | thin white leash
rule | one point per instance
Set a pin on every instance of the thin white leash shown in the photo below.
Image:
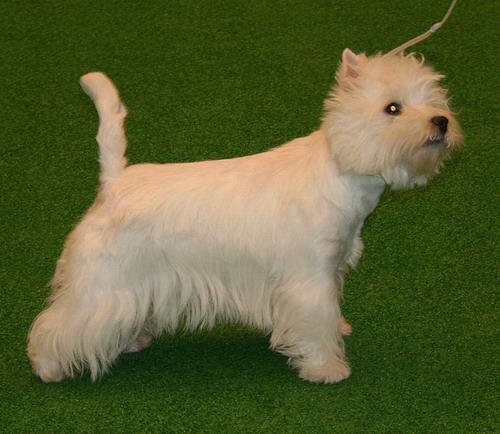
(434, 28)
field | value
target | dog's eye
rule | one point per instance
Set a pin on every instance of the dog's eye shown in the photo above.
(393, 109)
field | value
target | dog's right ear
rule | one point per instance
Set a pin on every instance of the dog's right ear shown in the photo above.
(350, 68)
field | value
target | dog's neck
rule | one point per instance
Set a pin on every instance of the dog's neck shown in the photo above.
(365, 190)
(356, 195)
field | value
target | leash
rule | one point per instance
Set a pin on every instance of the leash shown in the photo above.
(434, 28)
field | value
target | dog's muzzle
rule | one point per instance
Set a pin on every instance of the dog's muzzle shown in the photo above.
(439, 138)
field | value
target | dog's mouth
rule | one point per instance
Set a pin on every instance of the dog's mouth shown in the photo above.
(436, 141)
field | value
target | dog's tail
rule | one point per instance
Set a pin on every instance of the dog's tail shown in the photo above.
(111, 134)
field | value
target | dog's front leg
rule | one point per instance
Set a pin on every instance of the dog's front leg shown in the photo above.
(307, 328)
(353, 256)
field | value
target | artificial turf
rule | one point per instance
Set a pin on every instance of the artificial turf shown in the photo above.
(218, 79)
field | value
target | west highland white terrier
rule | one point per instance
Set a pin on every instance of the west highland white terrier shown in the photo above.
(264, 240)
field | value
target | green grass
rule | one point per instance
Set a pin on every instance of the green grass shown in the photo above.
(217, 79)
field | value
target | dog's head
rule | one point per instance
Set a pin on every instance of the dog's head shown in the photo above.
(388, 116)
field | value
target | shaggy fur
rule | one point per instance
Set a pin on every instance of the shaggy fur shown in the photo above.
(264, 240)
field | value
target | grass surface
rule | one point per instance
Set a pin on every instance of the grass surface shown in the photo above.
(217, 79)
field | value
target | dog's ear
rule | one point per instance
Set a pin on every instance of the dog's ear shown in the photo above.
(350, 68)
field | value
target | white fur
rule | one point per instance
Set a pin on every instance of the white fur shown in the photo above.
(264, 239)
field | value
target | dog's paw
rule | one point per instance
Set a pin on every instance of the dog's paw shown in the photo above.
(330, 373)
(49, 371)
(144, 340)
(345, 327)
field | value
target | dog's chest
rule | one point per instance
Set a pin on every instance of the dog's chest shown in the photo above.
(356, 199)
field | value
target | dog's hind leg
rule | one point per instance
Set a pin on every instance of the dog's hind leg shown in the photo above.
(76, 333)
(85, 331)
(144, 340)
(97, 310)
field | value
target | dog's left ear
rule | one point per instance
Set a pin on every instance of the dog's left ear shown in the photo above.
(350, 68)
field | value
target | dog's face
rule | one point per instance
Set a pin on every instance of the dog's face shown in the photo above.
(389, 116)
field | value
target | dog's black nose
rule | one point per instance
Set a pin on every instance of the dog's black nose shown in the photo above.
(441, 122)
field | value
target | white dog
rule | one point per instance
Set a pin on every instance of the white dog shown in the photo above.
(264, 240)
